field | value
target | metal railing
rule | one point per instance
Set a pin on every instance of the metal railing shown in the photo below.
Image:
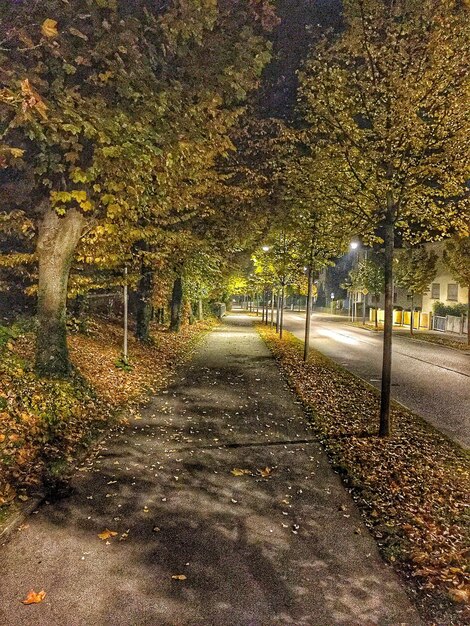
(450, 324)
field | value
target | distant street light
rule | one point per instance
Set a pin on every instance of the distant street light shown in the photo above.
(266, 248)
(354, 245)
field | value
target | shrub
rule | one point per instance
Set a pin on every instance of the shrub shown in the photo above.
(458, 310)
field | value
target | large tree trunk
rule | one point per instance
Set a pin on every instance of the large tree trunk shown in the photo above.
(144, 307)
(57, 241)
(176, 304)
(389, 242)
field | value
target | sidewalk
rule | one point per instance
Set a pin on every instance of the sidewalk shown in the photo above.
(271, 548)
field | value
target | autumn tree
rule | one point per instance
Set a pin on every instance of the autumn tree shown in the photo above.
(457, 259)
(385, 102)
(415, 269)
(102, 122)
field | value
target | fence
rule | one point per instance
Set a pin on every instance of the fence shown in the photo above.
(450, 324)
(403, 318)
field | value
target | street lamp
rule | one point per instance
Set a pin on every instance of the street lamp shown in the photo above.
(266, 248)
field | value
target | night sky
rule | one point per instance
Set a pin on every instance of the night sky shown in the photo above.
(301, 20)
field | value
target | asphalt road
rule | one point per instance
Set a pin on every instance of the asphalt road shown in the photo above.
(431, 380)
(283, 546)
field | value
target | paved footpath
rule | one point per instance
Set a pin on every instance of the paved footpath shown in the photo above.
(285, 548)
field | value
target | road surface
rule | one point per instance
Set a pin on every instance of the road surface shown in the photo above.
(431, 380)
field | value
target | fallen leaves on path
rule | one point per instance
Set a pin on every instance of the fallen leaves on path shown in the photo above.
(107, 534)
(34, 597)
(240, 472)
(266, 472)
(179, 577)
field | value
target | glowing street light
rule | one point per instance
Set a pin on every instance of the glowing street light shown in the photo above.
(266, 248)
(354, 245)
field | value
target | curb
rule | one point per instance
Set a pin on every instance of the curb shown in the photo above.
(18, 516)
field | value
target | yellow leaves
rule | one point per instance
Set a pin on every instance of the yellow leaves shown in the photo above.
(80, 196)
(34, 597)
(265, 473)
(179, 577)
(107, 534)
(2, 437)
(16, 152)
(240, 472)
(105, 76)
(49, 29)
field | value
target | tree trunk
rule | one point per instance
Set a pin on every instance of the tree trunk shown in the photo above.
(468, 316)
(200, 310)
(308, 314)
(192, 317)
(176, 304)
(389, 242)
(144, 303)
(281, 315)
(278, 310)
(376, 313)
(411, 313)
(57, 241)
(272, 308)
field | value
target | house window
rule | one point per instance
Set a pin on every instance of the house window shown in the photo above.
(436, 291)
(452, 291)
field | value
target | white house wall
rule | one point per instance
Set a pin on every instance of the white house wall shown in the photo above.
(443, 279)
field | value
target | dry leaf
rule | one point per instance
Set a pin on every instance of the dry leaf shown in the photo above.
(34, 598)
(49, 29)
(267, 471)
(460, 595)
(179, 577)
(106, 534)
(240, 472)
(78, 33)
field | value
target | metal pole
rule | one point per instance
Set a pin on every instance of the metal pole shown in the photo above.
(126, 316)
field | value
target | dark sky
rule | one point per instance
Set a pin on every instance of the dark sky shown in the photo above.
(292, 39)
